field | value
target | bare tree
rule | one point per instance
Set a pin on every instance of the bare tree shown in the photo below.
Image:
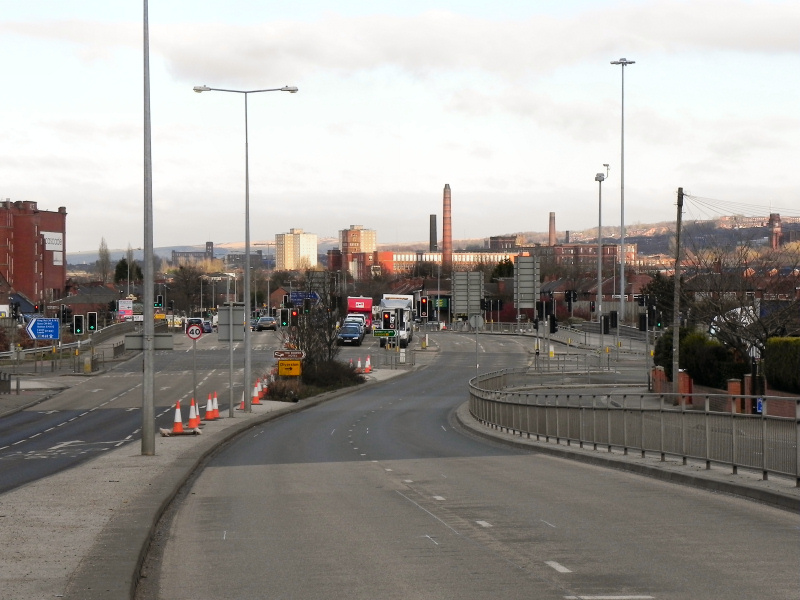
(103, 261)
(742, 293)
(316, 330)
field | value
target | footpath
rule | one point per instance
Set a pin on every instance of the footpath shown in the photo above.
(83, 533)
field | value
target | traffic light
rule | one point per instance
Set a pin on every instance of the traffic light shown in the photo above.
(642, 322)
(159, 303)
(651, 314)
(660, 319)
(606, 323)
(423, 306)
(613, 319)
(553, 324)
(306, 306)
(568, 295)
(591, 306)
(387, 319)
(171, 305)
(77, 324)
(36, 309)
(284, 317)
(295, 315)
(92, 321)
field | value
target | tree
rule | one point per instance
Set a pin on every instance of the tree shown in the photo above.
(742, 293)
(121, 271)
(505, 268)
(316, 332)
(185, 288)
(103, 261)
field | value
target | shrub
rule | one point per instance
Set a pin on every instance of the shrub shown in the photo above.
(782, 363)
(330, 375)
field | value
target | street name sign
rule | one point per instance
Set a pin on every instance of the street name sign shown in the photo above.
(44, 329)
(289, 354)
(384, 333)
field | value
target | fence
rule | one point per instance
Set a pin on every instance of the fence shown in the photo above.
(641, 422)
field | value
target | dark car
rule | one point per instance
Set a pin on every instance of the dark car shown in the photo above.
(266, 323)
(350, 333)
(208, 326)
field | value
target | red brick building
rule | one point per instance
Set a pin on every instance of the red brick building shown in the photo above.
(33, 257)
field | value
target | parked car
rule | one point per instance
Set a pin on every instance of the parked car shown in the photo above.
(264, 323)
(350, 333)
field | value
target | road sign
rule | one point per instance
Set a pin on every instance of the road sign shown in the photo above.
(297, 297)
(289, 354)
(384, 333)
(194, 331)
(44, 329)
(289, 368)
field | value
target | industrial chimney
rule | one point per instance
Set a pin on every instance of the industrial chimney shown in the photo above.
(433, 243)
(447, 231)
(552, 239)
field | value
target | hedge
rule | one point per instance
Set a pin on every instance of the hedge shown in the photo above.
(782, 364)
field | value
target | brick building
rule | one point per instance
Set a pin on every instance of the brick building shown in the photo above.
(33, 250)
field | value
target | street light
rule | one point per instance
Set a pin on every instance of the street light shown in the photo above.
(623, 62)
(246, 292)
(599, 178)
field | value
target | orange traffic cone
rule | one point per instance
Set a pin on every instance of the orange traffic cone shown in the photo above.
(210, 409)
(351, 363)
(216, 406)
(177, 425)
(256, 399)
(194, 417)
(367, 366)
(358, 368)
(241, 406)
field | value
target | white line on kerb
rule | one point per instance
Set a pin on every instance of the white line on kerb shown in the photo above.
(557, 566)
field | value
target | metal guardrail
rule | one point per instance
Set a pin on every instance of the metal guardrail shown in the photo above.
(642, 422)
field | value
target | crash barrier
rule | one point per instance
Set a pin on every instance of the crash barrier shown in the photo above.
(118, 349)
(397, 358)
(668, 424)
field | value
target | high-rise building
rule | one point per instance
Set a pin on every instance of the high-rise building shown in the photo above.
(295, 250)
(357, 239)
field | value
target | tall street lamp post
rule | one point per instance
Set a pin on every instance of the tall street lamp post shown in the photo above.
(599, 178)
(246, 292)
(623, 62)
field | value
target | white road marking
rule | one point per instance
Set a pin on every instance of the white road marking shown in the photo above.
(408, 481)
(558, 567)
(438, 498)
(546, 523)
(608, 597)
(443, 429)
(332, 431)
(388, 470)
(484, 523)
(431, 539)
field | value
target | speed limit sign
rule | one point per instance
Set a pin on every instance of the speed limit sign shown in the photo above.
(194, 331)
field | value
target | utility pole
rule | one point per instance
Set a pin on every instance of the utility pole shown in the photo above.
(676, 298)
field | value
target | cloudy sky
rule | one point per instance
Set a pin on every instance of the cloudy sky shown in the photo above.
(513, 103)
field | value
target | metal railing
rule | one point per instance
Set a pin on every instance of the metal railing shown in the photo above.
(643, 422)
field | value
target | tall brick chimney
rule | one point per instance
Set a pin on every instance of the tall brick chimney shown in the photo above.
(552, 238)
(447, 231)
(434, 239)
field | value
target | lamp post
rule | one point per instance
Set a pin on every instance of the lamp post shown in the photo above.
(599, 178)
(623, 62)
(246, 274)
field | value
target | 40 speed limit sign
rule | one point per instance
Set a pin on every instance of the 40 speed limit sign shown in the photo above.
(195, 332)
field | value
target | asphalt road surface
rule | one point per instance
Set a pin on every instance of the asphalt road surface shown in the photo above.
(104, 412)
(377, 495)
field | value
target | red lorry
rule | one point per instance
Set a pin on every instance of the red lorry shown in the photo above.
(361, 305)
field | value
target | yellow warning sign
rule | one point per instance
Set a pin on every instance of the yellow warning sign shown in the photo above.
(289, 368)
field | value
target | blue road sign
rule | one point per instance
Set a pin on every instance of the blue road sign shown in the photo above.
(759, 405)
(298, 297)
(44, 329)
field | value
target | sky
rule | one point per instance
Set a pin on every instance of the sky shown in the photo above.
(514, 104)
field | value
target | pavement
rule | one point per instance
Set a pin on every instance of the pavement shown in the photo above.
(83, 533)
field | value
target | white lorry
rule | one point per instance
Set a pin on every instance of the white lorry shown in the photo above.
(397, 312)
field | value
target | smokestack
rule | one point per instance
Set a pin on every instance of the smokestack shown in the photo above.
(552, 239)
(433, 243)
(447, 231)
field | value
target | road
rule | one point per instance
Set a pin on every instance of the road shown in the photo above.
(378, 495)
(104, 412)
